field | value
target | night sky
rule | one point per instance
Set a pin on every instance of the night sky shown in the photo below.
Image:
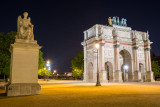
(59, 25)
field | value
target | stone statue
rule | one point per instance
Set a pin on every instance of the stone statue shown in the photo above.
(115, 32)
(110, 21)
(24, 27)
(147, 35)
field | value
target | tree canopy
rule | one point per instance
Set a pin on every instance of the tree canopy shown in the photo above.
(5, 55)
(155, 68)
(78, 65)
(44, 72)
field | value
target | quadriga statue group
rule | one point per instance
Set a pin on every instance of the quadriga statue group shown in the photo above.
(116, 21)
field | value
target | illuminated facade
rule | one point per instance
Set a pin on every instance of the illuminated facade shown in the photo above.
(119, 46)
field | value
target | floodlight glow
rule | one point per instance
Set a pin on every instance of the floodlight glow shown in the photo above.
(97, 45)
(126, 67)
(48, 62)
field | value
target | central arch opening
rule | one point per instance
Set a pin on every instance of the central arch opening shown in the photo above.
(125, 60)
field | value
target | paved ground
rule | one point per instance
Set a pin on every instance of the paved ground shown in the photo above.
(78, 94)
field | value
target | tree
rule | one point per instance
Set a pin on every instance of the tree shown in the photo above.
(78, 65)
(155, 68)
(41, 60)
(44, 72)
(5, 55)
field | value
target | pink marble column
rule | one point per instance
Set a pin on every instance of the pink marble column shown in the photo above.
(117, 63)
(149, 59)
(136, 58)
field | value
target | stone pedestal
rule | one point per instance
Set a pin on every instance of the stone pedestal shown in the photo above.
(24, 68)
(137, 76)
(149, 76)
(118, 76)
(105, 80)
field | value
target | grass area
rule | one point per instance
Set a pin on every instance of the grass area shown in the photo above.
(86, 95)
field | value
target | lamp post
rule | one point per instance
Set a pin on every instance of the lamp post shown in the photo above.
(98, 80)
(126, 73)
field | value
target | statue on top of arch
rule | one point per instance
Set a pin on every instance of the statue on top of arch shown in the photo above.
(24, 28)
(116, 21)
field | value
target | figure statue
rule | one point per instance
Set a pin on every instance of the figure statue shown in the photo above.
(117, 20)
(24, 27)
(125, 22)
(115, 32)
(114, 20)
(147, 35)
(110, 21)
(122, 22)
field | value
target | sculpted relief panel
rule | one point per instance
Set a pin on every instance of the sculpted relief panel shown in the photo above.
(124, 34)
(107, 32)
(141, 53)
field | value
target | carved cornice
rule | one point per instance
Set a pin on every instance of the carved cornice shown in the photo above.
(117, 45)
(148, 49)
(136, 47)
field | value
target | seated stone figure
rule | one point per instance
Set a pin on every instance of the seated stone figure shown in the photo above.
(24, 27)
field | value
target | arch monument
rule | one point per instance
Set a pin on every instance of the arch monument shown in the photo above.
(119, 46)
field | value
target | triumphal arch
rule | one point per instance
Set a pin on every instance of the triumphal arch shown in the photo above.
(119, 46)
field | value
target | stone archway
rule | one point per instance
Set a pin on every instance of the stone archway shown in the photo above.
(109, 71)
(141, 69)
(90, 72)
(125, 59)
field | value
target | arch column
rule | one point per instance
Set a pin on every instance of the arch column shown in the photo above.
(102, 63)
(149, 73)
(85, 78)
(137, 74)
(117, 73)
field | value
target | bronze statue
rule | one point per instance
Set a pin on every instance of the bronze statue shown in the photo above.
(25, 28)
(110, 21)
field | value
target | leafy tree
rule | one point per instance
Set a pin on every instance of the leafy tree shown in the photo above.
(78, 65)
(5, 55)
(155, 68)
(41, 60)
(44, 72)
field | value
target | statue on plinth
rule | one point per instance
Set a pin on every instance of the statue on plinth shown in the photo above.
(24, 27)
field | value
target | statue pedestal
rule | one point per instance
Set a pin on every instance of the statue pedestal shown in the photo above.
(118, 76)
(149, 76)
(24, 68)
(137, 76)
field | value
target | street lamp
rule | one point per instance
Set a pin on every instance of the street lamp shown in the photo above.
(54, 71)
(125, 73)
(98, 80)
(48, 65)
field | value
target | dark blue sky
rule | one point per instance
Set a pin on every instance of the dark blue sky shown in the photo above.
(59, 25)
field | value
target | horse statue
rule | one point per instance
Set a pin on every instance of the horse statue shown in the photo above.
(117, 20)
(114, 20)
(121, 22)
(125, 22)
